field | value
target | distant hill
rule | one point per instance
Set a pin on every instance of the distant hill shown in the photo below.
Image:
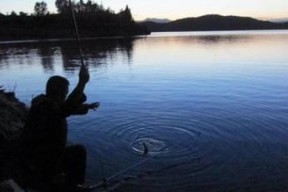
(157, 20)
(282, 20)
(213, 22)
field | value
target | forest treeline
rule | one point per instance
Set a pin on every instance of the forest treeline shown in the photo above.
(93, 20)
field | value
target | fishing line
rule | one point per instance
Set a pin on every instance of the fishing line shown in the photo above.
(121, 172)
(105, 184)
(100, 184)
(145, 151)
(77, 34)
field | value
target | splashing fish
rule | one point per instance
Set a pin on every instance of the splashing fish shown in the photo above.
(145, 149)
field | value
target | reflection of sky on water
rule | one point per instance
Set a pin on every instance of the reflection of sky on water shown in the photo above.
(208, 55)
(203, 54)
(199, 47)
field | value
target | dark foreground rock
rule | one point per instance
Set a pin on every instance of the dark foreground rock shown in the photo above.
(12, 118)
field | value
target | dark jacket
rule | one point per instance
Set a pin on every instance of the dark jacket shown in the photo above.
(45, 132)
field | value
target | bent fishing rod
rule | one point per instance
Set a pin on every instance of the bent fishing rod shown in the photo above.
(77, 33)
(82, 62)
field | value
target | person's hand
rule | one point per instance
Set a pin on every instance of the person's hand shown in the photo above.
(84, 74)
(94, 105)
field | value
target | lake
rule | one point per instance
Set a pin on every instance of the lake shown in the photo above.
(187, 111)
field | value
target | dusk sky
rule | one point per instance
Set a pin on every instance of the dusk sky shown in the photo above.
(174, 9)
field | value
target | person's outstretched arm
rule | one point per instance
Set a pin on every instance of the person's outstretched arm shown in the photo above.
(74, 104)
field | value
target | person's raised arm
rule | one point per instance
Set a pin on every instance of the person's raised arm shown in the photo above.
(76, 96)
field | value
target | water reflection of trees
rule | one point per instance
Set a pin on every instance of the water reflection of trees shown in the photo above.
(51, 53)
(95, 52)
(209, 40)
(46, 54)
(11, 55)
(222, 38)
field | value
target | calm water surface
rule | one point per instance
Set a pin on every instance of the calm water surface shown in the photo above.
(211, 107)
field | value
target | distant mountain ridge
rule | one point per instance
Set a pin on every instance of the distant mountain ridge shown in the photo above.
(157, 20)
(282, 20)
(213, 22)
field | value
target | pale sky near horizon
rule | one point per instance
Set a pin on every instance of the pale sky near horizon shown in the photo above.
(173, 9)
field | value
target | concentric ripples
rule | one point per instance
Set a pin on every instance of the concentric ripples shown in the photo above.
(174, 142)
(184, 145)
(199, 147)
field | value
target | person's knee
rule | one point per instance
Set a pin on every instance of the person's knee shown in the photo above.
(81, 150)
(77, 150)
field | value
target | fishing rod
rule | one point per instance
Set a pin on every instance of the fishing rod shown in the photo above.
(82, 65)
(82, 60)
(77, 33)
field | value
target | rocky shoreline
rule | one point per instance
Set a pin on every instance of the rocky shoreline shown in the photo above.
(12, 118)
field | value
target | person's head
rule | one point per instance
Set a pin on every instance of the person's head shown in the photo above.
(57, 88)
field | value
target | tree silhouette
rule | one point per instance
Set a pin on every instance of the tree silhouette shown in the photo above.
(40, 8)
(62, 6)
(88, 7)
(126, 14)
(93, 20)
(21, 13)
(13, 13)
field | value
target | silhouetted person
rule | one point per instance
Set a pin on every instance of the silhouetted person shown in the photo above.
(46, 153)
